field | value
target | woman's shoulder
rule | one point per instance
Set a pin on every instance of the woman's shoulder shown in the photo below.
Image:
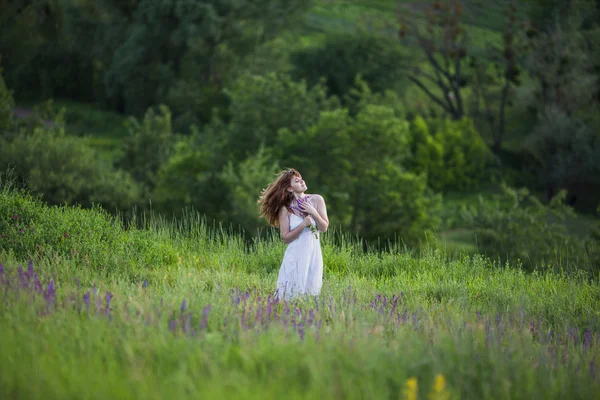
(315, 196)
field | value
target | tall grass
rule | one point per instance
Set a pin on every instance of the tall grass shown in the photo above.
(188, 311)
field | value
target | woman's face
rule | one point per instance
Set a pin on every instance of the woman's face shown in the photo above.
(297, 184)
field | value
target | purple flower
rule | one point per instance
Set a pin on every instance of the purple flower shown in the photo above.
(86, 299)
(172, 325)
(145, 284)
(108, 297)
(587, 339)
(183, 306)
(50, 292)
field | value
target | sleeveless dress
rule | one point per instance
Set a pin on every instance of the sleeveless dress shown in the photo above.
(301, 271)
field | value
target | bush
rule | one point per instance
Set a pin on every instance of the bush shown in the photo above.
(244, 183)
(148, 146)
(451, 153)
(65, 169)
(31, 229)
(566, 153)
(516, 227)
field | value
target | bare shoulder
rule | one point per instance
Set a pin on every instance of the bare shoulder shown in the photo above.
(283, 212)
(317, 197)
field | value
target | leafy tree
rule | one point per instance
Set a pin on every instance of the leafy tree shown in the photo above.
(65, 169)
(451, 59)
(148, 146)
(178, 40)
(516, 227)
(566, 154)
(356, 163)
(451, 153)
(344, 57)
(262, 105)
(243, 183)
(188, 179)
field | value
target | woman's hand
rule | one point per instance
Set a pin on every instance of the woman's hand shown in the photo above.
(307, 221)
(306, 207)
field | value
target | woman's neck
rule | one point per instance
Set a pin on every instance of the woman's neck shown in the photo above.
(299, 195)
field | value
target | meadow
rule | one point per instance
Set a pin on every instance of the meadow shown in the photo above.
(91, 309)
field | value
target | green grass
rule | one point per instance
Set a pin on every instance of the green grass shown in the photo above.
(491, 331)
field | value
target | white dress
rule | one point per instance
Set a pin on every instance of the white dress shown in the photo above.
(301, 271)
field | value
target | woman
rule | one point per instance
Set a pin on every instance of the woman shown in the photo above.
(300, 218)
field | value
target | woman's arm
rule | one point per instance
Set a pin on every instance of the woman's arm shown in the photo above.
(318, 212)
(284, 226)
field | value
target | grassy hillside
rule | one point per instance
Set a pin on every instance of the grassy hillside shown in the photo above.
(188, 310)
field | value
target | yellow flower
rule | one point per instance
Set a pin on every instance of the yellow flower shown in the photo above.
(439, 390)
(411, 389)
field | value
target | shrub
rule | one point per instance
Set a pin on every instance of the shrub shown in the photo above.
(148, 146)
(451, 153)
(31, 229)
(65, 169)
(516, 227)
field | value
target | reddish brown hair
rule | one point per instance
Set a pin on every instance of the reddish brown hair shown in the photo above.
(276, 195)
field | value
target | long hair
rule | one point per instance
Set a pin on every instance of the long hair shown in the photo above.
(276, 195)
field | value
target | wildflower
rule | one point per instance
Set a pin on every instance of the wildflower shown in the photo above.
(205, 312)
(439, 390)
(50, 292)
(145, 284)
(108, 297)
(183, 306)
(411, 389)
(86, 299)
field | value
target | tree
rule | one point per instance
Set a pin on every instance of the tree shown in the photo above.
(192, 41)
(505, 73)
(444, 44)
(148, 146)
(343, 57)
(449, 57)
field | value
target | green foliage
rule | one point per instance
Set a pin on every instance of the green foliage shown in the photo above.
(173, 43)
(343, 57)
(243, 183)
(262, 105)
(451, 153)
(519, 229)
(356, 164)
(91, 238)
(148, 146)
(323, 155)
(65, 169)
(566, 151)
(188, 179)
(394, 203)
(6, 106)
